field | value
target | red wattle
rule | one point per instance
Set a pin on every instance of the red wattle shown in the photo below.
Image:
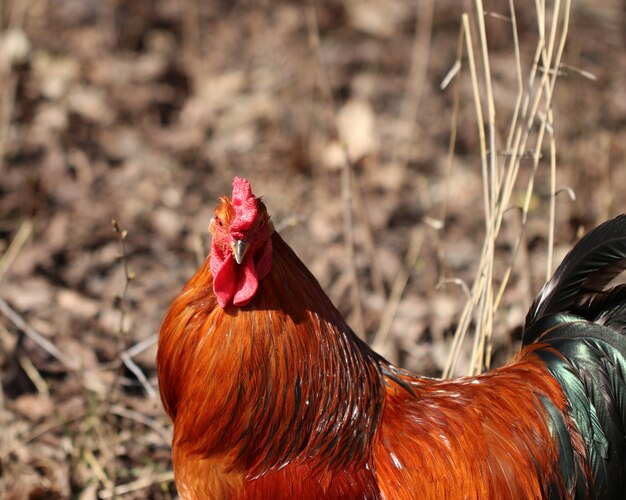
(238, 282)
(224, 277)
(247, 283)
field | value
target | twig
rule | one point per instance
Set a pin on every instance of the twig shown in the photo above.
(346, 172)
(369, 240)
(17, 12)
(141, 346)
(498, 16)
(452, 72)
(397, 290)
(139, 484)
(458, 282)
(563, 71)
(348, 229)
(141, 418)
(120, 303)
(7, 103)
(18, 242)
(454, 125)
(132, 366)
(131, 352)
(34, 375)
(579, 71)
(415, 82)
(567, 190)
(97, 469)
(129, 276)
(40, 430)
(35, 336)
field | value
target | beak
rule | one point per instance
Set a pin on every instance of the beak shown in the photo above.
(240, 248)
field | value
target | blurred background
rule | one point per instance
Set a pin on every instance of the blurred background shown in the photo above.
(144, 111)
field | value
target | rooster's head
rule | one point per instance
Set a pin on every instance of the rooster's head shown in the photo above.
(241, 251)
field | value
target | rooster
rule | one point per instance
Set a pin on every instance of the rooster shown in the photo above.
(272, 395)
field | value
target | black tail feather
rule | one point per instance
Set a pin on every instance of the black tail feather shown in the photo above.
(578, 282)
(582, 328)
(589, 362)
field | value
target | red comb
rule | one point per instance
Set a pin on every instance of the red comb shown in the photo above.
(244, 203)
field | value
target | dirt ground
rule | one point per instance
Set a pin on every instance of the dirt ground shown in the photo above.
(144, 111)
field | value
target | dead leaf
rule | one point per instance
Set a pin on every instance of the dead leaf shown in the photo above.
(356, 124)
(34, 407)
(77, 304)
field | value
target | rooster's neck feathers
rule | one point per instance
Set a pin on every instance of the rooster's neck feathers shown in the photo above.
(261, 355)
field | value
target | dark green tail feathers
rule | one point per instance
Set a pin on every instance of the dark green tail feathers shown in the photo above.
(578, 284)
(581, 318)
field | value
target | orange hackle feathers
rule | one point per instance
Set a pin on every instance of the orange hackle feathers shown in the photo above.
(275, 397)
(264, 358)
(487, 433)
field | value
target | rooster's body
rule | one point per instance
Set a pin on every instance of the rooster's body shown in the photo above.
(273, 396)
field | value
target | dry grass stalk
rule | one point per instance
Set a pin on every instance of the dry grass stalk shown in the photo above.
(532, 117)
(391, 306)
(21, 238)
(415, 82)
(347, 185)
(16, 15)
